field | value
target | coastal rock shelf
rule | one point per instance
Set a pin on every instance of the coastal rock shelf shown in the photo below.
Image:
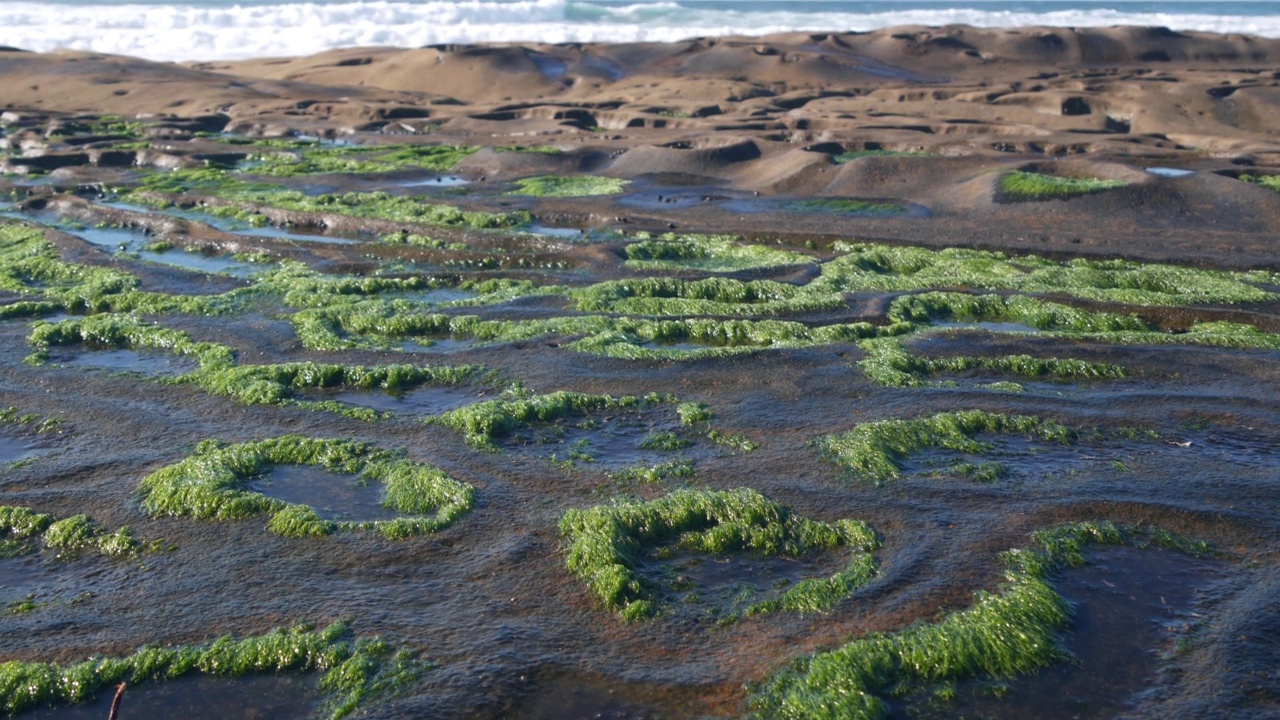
(844, 375)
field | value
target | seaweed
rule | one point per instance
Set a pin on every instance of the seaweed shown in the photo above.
(246, 197)
(570, 186)
(485, 422)
(874, 451)
(712, 253)
(212, 484)
(1038, 186)
(354, 670)
(605, 542)
(882, 268)
(889, 363)
(1013, 631)
(23, 530)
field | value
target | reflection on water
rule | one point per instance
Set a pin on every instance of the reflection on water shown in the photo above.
(1170, 172)
(334, 496)
(145, 362)
(439, 181)
(135, 241)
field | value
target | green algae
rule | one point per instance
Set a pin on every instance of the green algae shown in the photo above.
(875, 451)
(568, 186)
(852, 155)
(1033, 312)
(889, 363)
(1267, 181)
(605, 543)
(31, 265)
(1037, 186)
(22, 530)
(883, 268)
(355, 670)
(655, 474)
(1010, 632)
(850, 206)
(118, 330)
(277, 384)
(357, 159)
(212, 484)
(30, 422)
(710, 296)
(216, 183)
(483, 423)
(387, 324)
(711, 253)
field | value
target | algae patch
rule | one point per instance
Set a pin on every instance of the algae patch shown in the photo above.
(355, 670)
(214, 483)
(605, 544)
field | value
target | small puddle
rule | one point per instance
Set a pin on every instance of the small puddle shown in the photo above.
(334, 496)
(278, 233)
(145, 362)
(669, 200)
(549, 66)
(681, 346)
(135, 241)
(1170, 172)
(439, 181)
(201, 697)
(606, 444)
(566, 233)
(436, 296)
(428, 400)
(226, 225)
(738, 579)
(1127, 604)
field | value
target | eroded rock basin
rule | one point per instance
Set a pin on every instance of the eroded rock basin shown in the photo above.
(1132, 607)
(334, 496)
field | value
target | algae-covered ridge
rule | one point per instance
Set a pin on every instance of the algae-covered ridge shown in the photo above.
(241, 196)
(483, 423)
(312, 159)
(354, 670)
(279, 384)
(852, 206)
(213, 484)
(875, 451)
(1009, 632)
(23, 531)
(557, 186)
(710, 253)
(882, 268)
(604, 545)
(1267, 181)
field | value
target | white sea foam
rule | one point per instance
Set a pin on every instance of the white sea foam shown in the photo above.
(194, 31)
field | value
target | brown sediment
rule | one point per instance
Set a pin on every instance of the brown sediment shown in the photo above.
(736, 130)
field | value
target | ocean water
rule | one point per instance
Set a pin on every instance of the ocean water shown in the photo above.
(228, 29)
